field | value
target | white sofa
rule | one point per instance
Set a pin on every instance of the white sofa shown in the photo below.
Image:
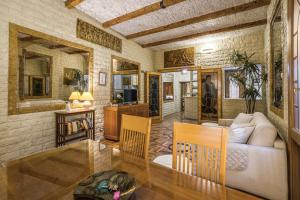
(265, 173)
(259, 166)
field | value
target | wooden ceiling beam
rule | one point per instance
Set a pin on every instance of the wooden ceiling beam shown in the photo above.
(72, 3)
(142, 11)
(59, 46)
(214, 15)
(29, 39)
(221, 30)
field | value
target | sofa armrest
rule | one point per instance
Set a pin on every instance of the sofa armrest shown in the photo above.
(225, 122)
(265, 175)
(279, 143)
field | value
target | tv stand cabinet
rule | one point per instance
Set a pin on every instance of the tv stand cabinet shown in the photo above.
(113, 116)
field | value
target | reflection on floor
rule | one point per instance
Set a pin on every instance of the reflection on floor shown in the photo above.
(161, 135)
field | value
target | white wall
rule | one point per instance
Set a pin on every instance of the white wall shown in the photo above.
(21, 135)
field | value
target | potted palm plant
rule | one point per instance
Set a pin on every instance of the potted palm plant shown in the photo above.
(250, 76)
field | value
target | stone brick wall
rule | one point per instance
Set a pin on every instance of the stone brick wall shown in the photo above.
(251, 42)
(21, 135)
(281, 123)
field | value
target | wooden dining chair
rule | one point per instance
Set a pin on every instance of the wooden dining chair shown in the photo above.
(135, 136)
(200, 151)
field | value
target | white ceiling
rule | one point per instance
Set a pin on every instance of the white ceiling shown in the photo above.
(104, 10)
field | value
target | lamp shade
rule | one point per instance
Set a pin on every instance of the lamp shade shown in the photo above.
(86, 96)
(75, 96)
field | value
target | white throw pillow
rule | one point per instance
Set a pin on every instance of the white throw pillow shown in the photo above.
(243, 118)
(240, 134)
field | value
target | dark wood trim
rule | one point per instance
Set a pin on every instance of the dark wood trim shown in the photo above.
(142, 11)
(221, 30)
(214, 15)
(72, 3)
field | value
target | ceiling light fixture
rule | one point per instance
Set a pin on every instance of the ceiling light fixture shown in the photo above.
(184, 71)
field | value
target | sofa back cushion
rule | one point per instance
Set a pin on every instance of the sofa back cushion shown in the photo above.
(243, 118)
(264, 133)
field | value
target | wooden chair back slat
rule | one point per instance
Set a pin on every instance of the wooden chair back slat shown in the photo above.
(200, 151)
(135, 136)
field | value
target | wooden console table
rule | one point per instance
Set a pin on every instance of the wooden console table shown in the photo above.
(75, 125)
(113, 114)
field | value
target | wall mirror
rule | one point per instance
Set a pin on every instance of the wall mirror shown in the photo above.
(276, 67)
(125, 85)
(44, 70)
(35, 75)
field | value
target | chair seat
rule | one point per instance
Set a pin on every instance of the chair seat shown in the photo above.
(164, 160)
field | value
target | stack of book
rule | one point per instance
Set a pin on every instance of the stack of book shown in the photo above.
(79, 125)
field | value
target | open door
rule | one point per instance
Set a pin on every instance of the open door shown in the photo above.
(294, 98)
(153, 92)
(209, 95)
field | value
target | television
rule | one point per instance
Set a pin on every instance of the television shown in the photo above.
(130, 95)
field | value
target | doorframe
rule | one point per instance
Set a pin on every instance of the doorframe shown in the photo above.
(155, 119)
(179, 69)
(293, 134)
(219, 88)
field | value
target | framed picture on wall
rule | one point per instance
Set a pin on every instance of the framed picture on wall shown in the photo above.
(102, 78)
(168, 91)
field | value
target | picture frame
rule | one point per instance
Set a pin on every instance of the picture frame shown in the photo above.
(102, 78)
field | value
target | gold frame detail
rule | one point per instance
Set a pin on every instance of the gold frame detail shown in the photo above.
(278, 111)
(13, 93)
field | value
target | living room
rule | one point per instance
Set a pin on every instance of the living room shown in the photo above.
(74, 70)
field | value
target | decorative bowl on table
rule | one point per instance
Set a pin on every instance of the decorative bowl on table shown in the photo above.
(106, 185)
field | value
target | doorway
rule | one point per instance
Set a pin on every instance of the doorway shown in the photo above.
(210, 98)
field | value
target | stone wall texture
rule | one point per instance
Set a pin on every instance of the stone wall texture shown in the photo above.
(281, 123)
(218, 57)
(21, 135)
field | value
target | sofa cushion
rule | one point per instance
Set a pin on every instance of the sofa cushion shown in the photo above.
(243, 118)
(264, 133)
(240, 134)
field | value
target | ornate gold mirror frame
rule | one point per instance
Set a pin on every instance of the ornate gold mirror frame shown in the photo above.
(13, 93)
(278, 111)
(125, 72)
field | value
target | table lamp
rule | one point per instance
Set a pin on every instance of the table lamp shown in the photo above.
(86, 97)
(75, 97)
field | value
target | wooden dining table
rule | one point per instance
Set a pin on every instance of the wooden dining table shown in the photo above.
(55, 173)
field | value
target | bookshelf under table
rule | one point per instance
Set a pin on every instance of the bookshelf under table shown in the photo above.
(64, 117)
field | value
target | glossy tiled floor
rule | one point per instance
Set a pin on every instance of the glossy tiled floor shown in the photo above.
(161, 135)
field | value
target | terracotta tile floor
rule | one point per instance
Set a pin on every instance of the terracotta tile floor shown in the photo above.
(161, 135)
